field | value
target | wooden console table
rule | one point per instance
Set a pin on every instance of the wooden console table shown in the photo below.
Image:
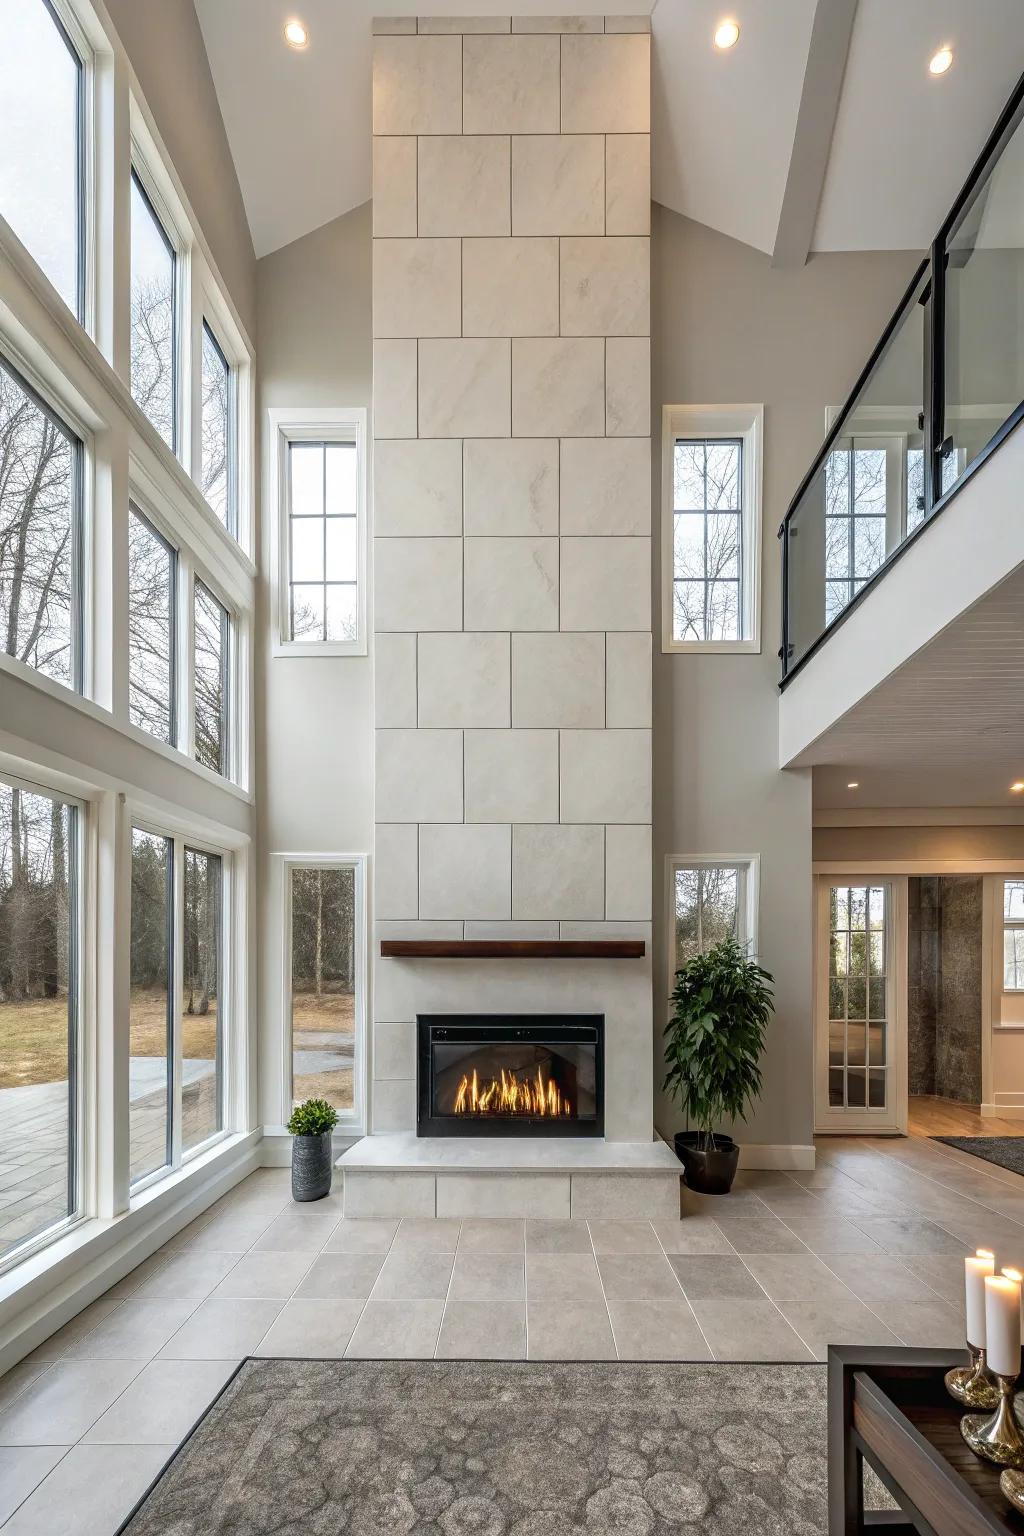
(890, 1408)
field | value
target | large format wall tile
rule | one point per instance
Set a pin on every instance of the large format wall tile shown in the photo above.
(510, 287)
(394, 680)
(396, 871)
(464, 185)
(605, 286)
(417, 85)
(417, 288)
(558, 388)
(629, 184)
(465, 388)
(394, 182)
(417, 488)
(511, 583)
(419, 776)
(605, 583)
(464, 680)
(511, 775)
(605, 776)
(629, 680)
(510, 85)
(466, 871)
(394, 389)
(628, 873)
(557, 872)
(418, 584)
(511, 486)
(606, 85)
(628, 386)
(558, 185)
(558, 680)
(605, 485)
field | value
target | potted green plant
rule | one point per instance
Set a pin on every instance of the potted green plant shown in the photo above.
(311, 1125)
(721, 1005)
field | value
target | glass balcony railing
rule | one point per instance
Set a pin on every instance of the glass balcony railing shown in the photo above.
(943, 388)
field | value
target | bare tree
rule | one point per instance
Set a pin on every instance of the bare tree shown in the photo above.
(152, 350)
(215, 436)
(150, 629)
(707, 541)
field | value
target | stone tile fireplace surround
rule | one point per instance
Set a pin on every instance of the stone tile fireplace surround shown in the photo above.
(512, 559)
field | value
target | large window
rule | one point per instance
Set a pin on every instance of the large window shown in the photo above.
(39, 945)
(325, 914)
(150, 1078)
(154, 320)
(711, 901)
(855, 522)
(211, 677)
(152, 606)
(201, 1038)
(40, 535)
(217, 431)
(1013, 936)
(712, 527)
(41, 148)
(323, 556)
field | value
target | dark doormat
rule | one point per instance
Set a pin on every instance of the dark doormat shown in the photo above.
(460, 1448)
(1006, 1151)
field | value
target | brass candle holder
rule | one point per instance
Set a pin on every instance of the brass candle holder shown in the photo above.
(996, 1437)
(973, 1384)
(1012, 1484)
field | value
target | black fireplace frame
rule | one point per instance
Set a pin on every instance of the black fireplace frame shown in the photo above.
(557, 1028)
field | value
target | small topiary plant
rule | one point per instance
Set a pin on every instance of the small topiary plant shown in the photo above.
(313, 1118)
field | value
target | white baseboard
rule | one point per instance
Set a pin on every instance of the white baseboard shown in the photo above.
(787, 1157)
(1014, 1111)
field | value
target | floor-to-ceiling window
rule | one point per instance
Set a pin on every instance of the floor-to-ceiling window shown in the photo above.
(324, 985)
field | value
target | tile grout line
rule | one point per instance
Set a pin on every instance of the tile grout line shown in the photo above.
(447, 1295)
(689, 1303)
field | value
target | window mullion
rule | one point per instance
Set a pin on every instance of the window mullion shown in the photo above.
(177, 996)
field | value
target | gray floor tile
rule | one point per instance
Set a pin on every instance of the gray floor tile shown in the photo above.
(264, 1277)
(835, 1322)
(489, 1277)
(313, 1329)
(66, 1401)
(927, 1324)
(396, 1330)
(362, 1236)
(90, 1491)
(415, 1275)
(229, 1233)
(558, 1237)
(568, 1330)
(765, 1234)
(796, 1277)
(190, 1276)
(710, 1277)
(336, 1275)
(222, 1330)
(297, 1232)
(694, 1234)
(476, 1329)
(136, 1330)
(21, 1376)
(748, 1330)
(563, 1276)
(493, 1234)
(163, 1402)
(624, 1237)
(834, 1235)
(944, 1274)
(875, 1279)
(22, 1468)
(637, 1277)
(657, 1330)
(423, 1235)
(58, 1344)
(902, 1234)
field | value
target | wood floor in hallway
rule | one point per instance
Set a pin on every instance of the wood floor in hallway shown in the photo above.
(930, 1116)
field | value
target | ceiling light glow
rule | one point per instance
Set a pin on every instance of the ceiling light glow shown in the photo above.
(296, 35)
(726, 34)
(854, 784)
(940, 60)
(1017, 787)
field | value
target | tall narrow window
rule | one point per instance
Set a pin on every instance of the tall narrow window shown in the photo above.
(711, 902)
(152, 573)
(201, 1001)
(41, 149)
(38, 1014)
(40, 517)
(153, 317)
(323, 532)
(151, 1073)
(323, 984)
(211, 673)
(708, 540)
(217, 431)
(1013, 936)
(855, 522)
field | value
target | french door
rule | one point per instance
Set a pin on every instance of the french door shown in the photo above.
(860, 1055)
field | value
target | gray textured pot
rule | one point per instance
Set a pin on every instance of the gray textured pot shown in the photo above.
(312, 1165)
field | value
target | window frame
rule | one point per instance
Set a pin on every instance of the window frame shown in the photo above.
(153, 527)
(231, 521)
(354, 1123)
(230, 752)
(1016, 924)
(749, 863)
(141, 175)
(286, 426)
(716, 423)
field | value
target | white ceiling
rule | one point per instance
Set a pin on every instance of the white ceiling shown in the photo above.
(724, 123)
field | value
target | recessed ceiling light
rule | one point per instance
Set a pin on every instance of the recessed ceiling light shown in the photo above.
(296, 35)
(1017, 787)
(940, 60)
(726, 34)
(854, 784)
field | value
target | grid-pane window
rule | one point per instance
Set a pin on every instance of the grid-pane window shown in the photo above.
(858, 997)
(707, 597)
(41, 143)
(40, 498)
(323, 541)
(710, 904)
(217, 431)
(150, 1075)
(201, 999)
(323, 984)
(1013, 936)
(152, 575)
(212, 628)
(38, 1014)
(855, 506)
(153, 316)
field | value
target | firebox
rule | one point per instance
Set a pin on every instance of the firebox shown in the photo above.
(510, 1074)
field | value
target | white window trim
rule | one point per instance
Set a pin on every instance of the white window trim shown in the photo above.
(750, 861)
(353, 1123)
(715, 421)
(1014, 923)
(286, 425)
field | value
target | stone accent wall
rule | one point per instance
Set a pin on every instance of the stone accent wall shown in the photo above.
(512, 519)
(945, 979)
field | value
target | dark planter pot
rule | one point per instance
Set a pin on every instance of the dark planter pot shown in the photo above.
(709, 1172)
(312, 1166)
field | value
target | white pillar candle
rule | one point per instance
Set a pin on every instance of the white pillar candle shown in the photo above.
(1002, 1322)
(976, 1267)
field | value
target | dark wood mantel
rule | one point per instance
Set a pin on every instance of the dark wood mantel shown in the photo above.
(512, 949)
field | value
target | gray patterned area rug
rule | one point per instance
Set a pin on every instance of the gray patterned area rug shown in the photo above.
(1006, 1151)
(458, 1448)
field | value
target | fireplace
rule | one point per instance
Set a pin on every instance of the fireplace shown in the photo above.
(510, 1075)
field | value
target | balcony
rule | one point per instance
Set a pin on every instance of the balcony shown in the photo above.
(907, 454)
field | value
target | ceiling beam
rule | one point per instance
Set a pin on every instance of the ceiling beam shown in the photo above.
(815, 123)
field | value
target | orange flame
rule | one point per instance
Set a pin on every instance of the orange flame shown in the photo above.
(510, 1095)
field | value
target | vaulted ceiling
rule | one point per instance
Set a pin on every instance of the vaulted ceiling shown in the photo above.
(821, 129)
